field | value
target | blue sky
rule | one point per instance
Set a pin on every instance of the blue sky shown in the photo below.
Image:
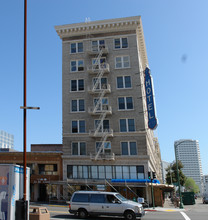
(176, 36)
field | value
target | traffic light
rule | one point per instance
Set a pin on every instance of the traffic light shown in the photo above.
(154, 175)
(149, 175)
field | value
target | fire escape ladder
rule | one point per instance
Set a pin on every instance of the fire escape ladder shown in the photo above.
(99, 102)
(97, 60)
(98, 79)
(101, 119)
(103, 139)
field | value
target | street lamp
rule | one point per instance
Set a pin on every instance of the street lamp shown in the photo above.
(179, 187)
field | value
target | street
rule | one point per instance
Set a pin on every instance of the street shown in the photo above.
(199, 211)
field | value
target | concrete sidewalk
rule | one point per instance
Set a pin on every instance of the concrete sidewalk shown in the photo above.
(167, 207)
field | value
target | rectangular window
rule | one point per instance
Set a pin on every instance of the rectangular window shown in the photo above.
(103, 126)
(77, 85)
(140, 172)
(123, 82)
(101, 83)
(128, 148)
(78, 148)
(125, 103)
(127, 125)
(81, 197)
(122, 62)
(97, 198)
(121, 43)
(77, 105)
(69, 171)
(78, 126)
(106, 147)
(101, 105)
(77, 47)
(99, 63)
(98, 45)
(77, 65)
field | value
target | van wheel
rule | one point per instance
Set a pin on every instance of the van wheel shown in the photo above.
(129, 215)
(82, 213)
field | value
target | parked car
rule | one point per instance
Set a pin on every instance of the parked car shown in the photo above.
(85, 203)
(205, 200)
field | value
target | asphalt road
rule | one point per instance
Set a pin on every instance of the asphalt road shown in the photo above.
(198, 211)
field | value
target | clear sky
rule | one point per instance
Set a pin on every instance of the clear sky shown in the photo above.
(176, 36)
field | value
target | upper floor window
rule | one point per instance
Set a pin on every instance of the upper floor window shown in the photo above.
(128, 148)
(127, 125)
(77, 65)
(99, 63)
(120, 43)
(101, 83)
(47, 169)
(78, 126)
(101, 104)
(97, 45)
(122, 62)
(125, 103)
(102, 125)
(106, 147)
(78, 105)
(77, 47)
(123, 82)
(77, 85)
(78, 148)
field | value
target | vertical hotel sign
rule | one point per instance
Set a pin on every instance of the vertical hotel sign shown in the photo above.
(152, 120)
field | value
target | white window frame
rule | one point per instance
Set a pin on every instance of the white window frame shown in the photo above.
(122, 62)
(99, 65)
(127, 125)
(102, 129)
(124, 82)
(77, 85)
(103, 105)
(128, 147)
(76, 47)
(125, 103)
(79, 148)
(78, 105)
(78, 127)
(120, 43)
(76, 66)
(105, 148)
(98, 46)
(100, 85)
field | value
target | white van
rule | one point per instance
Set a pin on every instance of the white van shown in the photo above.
(85, 203)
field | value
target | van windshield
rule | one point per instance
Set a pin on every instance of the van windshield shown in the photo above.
(120, 197)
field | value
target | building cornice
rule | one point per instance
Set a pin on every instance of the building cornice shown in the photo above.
(84, 28)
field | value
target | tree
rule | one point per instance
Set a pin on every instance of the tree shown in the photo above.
(171, 176)
(191, 186)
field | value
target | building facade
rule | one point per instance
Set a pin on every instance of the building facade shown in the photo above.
(45, 162)
(205, 182)
(187, 151)
(6, 140)
(105, 119)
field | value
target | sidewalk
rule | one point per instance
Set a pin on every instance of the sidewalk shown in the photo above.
(168, 207)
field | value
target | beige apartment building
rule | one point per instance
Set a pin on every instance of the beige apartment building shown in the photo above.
(106, 140)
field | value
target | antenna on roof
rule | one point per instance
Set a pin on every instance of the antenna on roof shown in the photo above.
(87, 20)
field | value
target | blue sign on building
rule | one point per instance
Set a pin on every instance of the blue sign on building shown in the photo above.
(152, 120)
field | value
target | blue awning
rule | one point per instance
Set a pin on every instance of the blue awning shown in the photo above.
(134, 181)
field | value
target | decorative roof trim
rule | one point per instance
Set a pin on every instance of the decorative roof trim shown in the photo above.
(95, 26)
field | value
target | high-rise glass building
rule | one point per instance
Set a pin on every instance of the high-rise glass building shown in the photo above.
(187, 151)
(6, 140)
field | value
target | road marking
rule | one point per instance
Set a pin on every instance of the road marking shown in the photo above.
(185, 216)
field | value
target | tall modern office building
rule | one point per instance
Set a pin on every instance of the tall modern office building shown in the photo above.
(105, 115)
(6, 140)
(187, 151)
